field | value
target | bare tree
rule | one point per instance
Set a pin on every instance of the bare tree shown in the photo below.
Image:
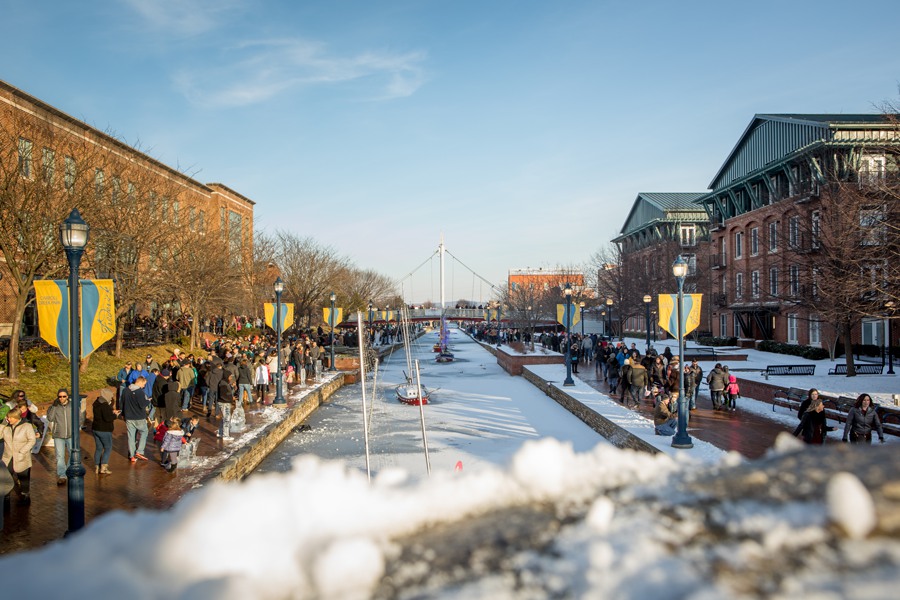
(310, 272)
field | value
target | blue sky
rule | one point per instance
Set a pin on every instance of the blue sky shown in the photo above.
(521, 130)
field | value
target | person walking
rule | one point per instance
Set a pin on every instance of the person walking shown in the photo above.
(261, 379)
(185, 378)
(696, 374)
(638, 378)
(717, 381)
(224, 404)
(102, 426)
(861, 420)
(245, 382)
(811, 396)
(813, 426)
(59, 416)
(134, 408)
(213, 378)
(18, 440)
(733, 391)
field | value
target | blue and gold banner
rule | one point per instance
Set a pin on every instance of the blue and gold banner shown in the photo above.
(338, 316)
(573, 315)
(668, 313)
(287, 315)
(98, 313)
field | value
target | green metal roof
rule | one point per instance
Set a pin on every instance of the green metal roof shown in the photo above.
(650, 207)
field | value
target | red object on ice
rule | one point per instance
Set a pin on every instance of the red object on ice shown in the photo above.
(458, 466)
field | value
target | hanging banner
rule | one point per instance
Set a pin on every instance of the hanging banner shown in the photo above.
(287, 315)
(52, 300)
(338, 317)
(668, 313)
(574, 317)
(98, 313)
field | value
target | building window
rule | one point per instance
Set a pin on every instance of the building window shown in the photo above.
(165, 210)
(192, 216)
(723, 325)
(773, 282)
(736, 324)
(795, 280)
(871, 332)
(794, 231)
(688, 235)
(871, 170)
(691, 260)
(70, 173)
(792, 329)
(116, 190)
(203, 221)
(871, 223)
(48, 165)
(175, 212)
(754, 241)
(25, 157)
(131, 192)
(98, 183)
(739, 244)
(754, 284)
(815, 228)
(773, 236)
(815, 331)
(738, 285)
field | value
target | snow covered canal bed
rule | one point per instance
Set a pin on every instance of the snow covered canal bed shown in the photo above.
(478, 414)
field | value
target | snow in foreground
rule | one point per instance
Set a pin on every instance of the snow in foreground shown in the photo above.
(320, 531)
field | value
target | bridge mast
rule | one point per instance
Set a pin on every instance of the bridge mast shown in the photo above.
(441, 250)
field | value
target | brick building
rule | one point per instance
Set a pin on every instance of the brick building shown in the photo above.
(45, 147)
(659, 228)
(766, 214)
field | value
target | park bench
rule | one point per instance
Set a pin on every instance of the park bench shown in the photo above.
(789, 370)
(700, 354)
(836, 408)
(866, 369)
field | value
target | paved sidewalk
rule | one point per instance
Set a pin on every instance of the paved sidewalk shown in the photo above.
(141, 485)
(742, 431)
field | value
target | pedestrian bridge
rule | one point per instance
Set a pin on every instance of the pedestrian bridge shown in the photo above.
(432, 314)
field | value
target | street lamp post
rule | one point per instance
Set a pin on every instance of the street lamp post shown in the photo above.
(609, 303)
(530, 326)
(279, 396)
(890, 335)
(569, 380)
(332, 298)
(681, 439)
(581, 306)
(73, 234)
(647, 300)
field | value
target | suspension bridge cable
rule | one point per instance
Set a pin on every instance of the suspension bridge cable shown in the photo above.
(470, 270)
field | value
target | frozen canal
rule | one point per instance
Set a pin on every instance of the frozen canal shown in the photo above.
(478, 414)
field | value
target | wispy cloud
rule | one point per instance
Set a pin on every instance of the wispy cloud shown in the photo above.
(260, 70)
(189, 17)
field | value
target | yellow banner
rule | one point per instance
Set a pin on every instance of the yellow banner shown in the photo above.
(98, 313)
(573, 315)
(287, 315)
(668, 313)
(338, 316)
(52, 300)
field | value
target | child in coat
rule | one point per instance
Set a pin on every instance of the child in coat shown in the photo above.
(733, 391)
(171, 445)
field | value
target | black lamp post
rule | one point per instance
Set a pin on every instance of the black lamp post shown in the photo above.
(371, 312)
(681, 439)
(332, 297)
(609, 304)
(568, 317)
(73, 234)
(530, 325)
(581, 306)
(279, 396)
(647, 300)
(890, 337)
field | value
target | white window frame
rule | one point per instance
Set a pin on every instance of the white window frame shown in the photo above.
(794, 231)
(48, 165)
(815, 227)
(26, 158)
(871, 332)
(872, 169)
(815, 331)
(688, 235)
(793, 329)
(754, 284)
(794, 280)
(773, 237)
(738, 285)
(738, 245)
(754, 241)
(723, 325)
(773, 282)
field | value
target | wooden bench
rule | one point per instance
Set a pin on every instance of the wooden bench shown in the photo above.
(836, 408)
(865, 369)
(790, 399)
(789, 370)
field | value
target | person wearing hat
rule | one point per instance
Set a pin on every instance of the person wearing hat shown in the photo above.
(151, 364)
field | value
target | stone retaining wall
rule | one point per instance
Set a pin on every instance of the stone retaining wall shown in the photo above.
(244, 461)
(614, 434)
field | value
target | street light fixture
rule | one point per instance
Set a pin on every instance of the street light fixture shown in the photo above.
(581, 306)
(681, 439)
(73, 235)
(890, 306)
(279, 395)
(569, 380)
(332, 297)
(647, 300)
(530, 326)
(609, 303)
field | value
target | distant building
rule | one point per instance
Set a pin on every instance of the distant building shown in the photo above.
(543, 280)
